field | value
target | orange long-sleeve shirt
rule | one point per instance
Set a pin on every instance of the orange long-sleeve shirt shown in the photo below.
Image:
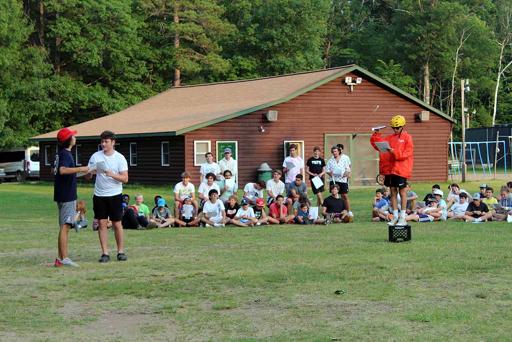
(400, 162)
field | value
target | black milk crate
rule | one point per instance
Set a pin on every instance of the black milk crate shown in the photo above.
(399, 233)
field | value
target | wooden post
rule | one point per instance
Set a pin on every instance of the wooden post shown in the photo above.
(463, 121)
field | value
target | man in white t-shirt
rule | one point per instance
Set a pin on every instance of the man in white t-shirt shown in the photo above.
(214, 212)
(253, 191)
(111, 171)
(292, 166)
(182, 190)
(339, 169)
(209, 167)
(204, 188)
(228, 163)
(275, 186)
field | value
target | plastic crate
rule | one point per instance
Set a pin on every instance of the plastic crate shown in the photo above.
(399, 233)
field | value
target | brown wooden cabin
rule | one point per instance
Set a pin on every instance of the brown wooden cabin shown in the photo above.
(170, 132)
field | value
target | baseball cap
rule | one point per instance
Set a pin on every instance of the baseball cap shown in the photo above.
(476, 196)
(65, 133)
(161, 202)
(483, 186)
(227, 150)
(244, 202)
(259, 202)
(438, 192)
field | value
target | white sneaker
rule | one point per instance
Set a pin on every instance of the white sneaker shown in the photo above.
(69, 262)
(393, 221)
(509, 218)
(207, 225)
(401, 222)
(350, 214)
(258, 223)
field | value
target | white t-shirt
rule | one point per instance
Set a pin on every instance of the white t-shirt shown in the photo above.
(459, 208)
(187, 211)
(251, 192)
(230, 165)
(209, 168)
(184, 190)
(293, 164)
(276, 188)
(444, 209)
(338, 168)
(213, 210)
(248, 213)
(204, 188)
(107, 186)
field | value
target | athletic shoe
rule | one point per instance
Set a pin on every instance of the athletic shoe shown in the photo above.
(350, 214)
(393, 221)
(217, 225)
(104, 258)
(69, 262)
(207, 225)
(258, 223)
(58, 263)
(121, 257)
(401, 222)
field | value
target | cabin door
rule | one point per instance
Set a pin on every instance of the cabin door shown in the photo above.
(365, 160)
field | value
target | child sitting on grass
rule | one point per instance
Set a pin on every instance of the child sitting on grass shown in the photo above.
(188, 216)
(80, 218)
(245, 215)
(303, 216)
(162, 215)
(380, 207)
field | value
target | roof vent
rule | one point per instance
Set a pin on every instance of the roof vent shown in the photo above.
(271, 115)
(423, 116)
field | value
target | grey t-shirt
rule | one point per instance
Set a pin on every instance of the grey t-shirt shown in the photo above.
(300, 189)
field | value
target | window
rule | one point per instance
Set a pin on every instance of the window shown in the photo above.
(133, 154)
(200, 148)
(164, 153)
(47, 155)
(78, 155)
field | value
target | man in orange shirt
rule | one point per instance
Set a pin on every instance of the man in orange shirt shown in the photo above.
(396, 165)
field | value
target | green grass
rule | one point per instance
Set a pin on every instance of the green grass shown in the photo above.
(279, 283)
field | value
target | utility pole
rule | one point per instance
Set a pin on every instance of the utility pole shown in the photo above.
(463, 121)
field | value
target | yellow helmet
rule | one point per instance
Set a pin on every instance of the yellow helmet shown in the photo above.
(397, 121)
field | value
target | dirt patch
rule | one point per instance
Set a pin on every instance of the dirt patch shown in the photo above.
(126, 326)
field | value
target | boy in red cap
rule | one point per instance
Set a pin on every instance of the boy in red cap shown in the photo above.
(396, 165)
(64, 191)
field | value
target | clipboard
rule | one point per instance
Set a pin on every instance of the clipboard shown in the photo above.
(317, 182)
(383, 146)
(313, 213)
(289, 165)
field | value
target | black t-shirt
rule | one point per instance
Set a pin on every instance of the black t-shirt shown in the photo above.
(64, 187)
(257, 212)
(482, 207)
(315, 165)
(231, 210)
(334, 205)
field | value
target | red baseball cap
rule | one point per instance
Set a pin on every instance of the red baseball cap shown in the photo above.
(259, 202)
(65, 133)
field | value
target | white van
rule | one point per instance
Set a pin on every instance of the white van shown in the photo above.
(19, 163)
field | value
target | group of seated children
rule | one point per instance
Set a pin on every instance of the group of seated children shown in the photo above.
(458, 205)
(218, 205)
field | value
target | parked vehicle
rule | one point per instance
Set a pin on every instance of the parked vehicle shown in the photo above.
(2, 175)
(20, 163)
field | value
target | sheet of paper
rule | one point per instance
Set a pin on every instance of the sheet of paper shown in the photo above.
(313, 213)
(229, 182)
(81, 174)
(317, 182)
(383, 146)
(290, 165)
(377, 128)
(100, 166)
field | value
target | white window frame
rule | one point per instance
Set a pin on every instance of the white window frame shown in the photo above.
(162, 143)
(77, 161)
(209, 142)
(47, 155)
(136, 154)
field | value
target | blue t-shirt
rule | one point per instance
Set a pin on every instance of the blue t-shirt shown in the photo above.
(64, 187)
(380, 203)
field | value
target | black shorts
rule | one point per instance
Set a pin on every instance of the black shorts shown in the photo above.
(394, 181)
(315, 190)
(343, 187)
(108, 207)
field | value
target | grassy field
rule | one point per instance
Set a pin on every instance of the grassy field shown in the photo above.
(277, 283)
